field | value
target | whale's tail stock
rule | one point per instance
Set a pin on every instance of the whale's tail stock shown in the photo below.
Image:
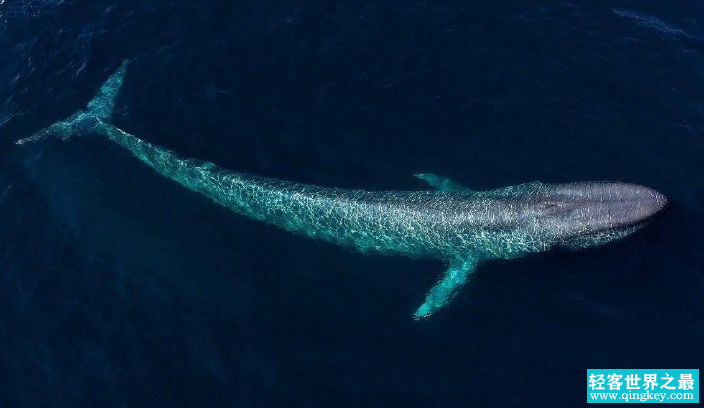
(99, 109)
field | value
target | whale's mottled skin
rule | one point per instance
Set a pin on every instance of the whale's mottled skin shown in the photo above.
(450, 223)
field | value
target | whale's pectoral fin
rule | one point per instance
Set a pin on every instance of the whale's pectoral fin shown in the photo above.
(442, 293)
(441, 183)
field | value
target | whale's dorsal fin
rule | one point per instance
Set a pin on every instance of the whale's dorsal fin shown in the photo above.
(442, 293)
(442, 183)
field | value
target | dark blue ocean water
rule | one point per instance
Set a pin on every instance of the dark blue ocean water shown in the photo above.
(118, 288)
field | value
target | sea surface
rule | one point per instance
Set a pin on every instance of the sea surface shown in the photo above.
(119, 288)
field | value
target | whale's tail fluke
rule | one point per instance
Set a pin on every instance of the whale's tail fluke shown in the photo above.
(103, 104)
(99, 109)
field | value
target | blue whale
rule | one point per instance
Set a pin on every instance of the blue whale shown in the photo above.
(450, 222)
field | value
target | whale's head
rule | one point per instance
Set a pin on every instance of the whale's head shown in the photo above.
(583, 215)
